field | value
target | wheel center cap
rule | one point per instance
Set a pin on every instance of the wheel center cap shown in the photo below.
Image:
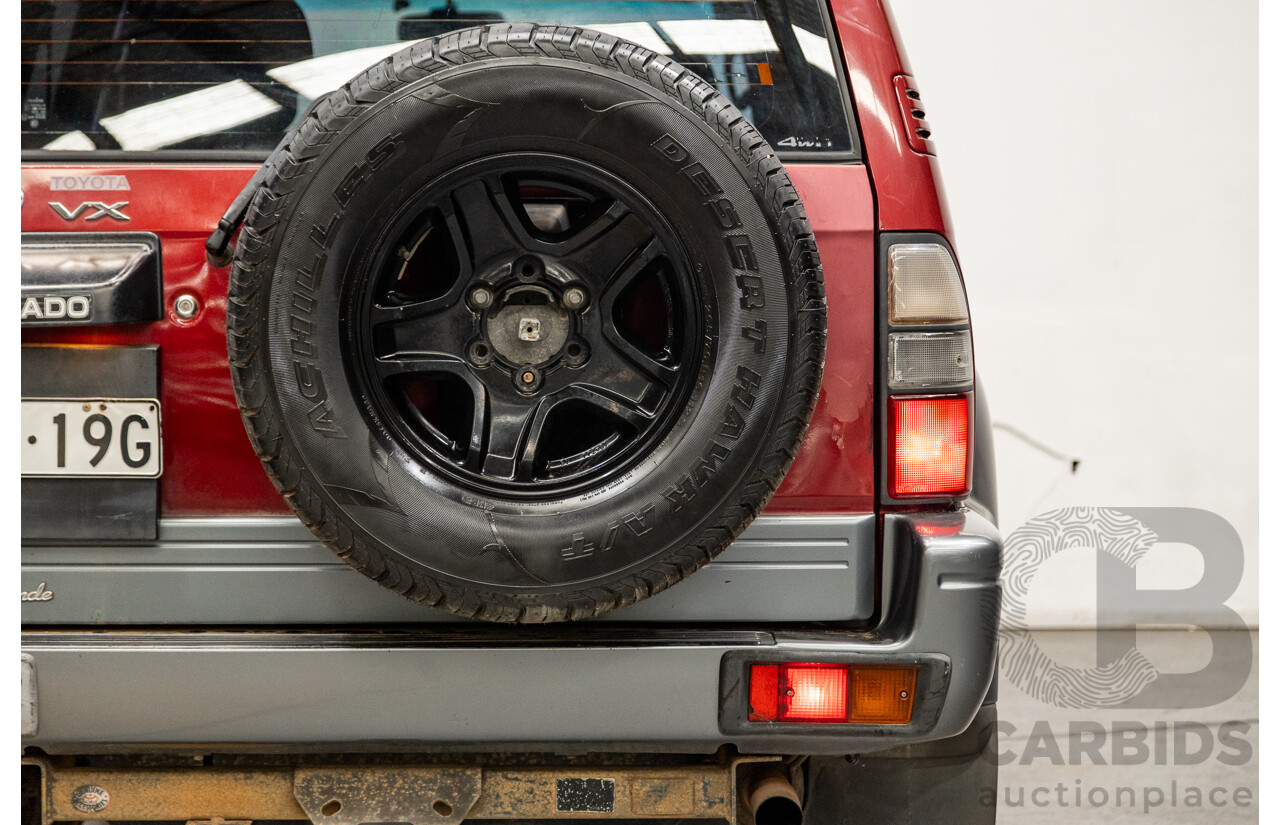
(528, 326)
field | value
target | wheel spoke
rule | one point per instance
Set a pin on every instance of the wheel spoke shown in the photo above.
(391, 312)
(625, 374)
(603, 223)
(441, 326)
(660, 368)
(509, 439)
(486, 222)
(622, 277)
(601, 251)
(389, 367)
(466, 266)
(622, 409)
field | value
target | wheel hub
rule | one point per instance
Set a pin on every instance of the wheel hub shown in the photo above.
(527, 326)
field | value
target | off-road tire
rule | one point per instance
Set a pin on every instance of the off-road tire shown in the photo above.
(707, 526)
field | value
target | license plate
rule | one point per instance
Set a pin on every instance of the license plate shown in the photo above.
(91, 437)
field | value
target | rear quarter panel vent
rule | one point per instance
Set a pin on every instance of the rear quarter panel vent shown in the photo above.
(912, 109)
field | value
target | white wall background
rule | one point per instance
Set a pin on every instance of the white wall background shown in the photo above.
(1101, 162)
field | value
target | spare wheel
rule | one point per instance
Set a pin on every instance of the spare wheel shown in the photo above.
(526, 322)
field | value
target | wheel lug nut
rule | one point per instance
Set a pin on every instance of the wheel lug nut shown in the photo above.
(480, 297)
(528, 379)
(575, 298)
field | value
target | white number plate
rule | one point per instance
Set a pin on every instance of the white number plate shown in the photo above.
(91, 437)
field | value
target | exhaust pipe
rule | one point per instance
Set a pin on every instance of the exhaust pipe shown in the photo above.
(771, 797)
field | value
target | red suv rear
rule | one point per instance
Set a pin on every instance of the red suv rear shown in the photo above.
(641, 322)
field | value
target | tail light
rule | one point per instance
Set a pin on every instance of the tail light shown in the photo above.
(814, 693)
(810, 692)
(928, 373)
(929, 447)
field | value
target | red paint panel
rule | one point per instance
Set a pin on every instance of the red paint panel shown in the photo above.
(909, 185)
(209, 466)
(835, 469)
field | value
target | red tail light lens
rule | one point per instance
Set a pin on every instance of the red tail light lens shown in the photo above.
(824, 692)
(928, 446)
(815, 693)
(764, 693)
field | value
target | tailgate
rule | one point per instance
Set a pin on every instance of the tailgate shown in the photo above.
(212, 542)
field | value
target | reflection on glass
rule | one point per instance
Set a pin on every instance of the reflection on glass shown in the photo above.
(720, 37)
(815, 49)
(213, 75)
(319, 75)
(180, 118)
(73, 141)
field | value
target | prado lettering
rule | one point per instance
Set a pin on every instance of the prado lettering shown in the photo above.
(40, 594)
(56, 307)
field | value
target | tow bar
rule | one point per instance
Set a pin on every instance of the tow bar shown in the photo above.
(403, 794)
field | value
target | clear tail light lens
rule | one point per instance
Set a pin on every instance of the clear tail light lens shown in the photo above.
(925, 286)
(928, 446)
(942, 360)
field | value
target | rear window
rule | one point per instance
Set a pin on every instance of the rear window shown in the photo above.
(231, 76)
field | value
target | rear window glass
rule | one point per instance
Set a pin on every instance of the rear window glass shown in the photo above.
(229, 75)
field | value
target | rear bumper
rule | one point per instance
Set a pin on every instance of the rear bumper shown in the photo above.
(599, 687)
(273, 572)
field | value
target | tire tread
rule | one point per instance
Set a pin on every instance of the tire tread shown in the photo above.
(289, 165)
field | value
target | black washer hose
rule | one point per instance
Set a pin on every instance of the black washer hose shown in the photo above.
(218, 249)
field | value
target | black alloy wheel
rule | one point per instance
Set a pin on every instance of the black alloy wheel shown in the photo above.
(530, 326)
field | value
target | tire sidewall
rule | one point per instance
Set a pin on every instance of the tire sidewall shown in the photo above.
(329, 231)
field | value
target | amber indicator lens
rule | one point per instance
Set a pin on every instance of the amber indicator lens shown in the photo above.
(881, 695)
(811, 692)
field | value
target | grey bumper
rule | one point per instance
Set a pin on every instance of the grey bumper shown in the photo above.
(273, 572)
(593, 688)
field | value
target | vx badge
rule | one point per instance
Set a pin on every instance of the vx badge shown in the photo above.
(101, 210)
